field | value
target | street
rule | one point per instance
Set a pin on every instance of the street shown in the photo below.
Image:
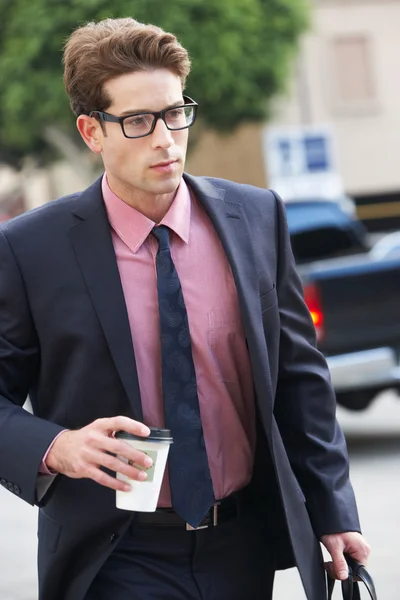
(374, 445)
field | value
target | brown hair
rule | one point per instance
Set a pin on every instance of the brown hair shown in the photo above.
(98, 52)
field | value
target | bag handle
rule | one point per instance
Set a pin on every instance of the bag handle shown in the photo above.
(350, 588)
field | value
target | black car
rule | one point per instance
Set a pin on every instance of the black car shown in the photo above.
(353, 294)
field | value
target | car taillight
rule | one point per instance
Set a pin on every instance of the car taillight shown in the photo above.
(312, 297)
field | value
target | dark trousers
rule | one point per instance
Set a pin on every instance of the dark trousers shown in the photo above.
(232, 561)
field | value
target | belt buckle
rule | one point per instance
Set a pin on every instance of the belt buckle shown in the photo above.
(214, 520)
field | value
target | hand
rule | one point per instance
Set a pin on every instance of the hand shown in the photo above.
(337, 544)
(80, 454)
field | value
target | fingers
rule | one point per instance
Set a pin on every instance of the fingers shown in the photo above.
(90, 467)
(120, 423)
(330, 570)
(336, 545)
(113, 463)
(337, 569)
(97, 440)
(98, 450)
(106, 480)
(353, 544)
(121, 448)
(340, 567)
(361, 552)
(82, 453)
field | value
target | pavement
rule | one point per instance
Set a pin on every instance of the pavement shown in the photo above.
(374, 445)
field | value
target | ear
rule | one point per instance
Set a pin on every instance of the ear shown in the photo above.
(91, 132)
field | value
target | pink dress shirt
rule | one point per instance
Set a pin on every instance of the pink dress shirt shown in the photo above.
(222, 365)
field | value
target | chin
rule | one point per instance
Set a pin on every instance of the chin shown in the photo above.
(166, 187)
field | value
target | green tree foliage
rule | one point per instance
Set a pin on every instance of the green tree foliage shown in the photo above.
(241, 51)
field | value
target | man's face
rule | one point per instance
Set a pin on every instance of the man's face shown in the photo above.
(151, 164)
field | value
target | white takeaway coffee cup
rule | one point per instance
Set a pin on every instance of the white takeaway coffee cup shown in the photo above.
(143, 495)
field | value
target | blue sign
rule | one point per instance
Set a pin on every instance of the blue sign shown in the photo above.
(316, 153)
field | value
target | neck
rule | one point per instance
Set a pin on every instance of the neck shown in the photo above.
(152, 206)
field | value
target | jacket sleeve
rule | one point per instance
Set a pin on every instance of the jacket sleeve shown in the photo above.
(305, 405)
(24, 438)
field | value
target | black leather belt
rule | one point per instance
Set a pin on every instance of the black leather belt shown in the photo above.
(224, 510)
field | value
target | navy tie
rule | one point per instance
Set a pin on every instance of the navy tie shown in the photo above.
(189, 473)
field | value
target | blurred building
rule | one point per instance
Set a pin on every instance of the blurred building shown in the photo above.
(237, 156)
(12, 196)
(348, 76)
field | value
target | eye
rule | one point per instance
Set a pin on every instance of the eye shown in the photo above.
(137, 121)
(175, 113)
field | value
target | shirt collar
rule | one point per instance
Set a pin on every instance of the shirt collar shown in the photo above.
(133, 227)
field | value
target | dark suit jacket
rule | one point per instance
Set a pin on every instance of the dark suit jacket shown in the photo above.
(65, 340)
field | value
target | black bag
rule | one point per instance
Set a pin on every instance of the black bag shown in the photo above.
(351, 588)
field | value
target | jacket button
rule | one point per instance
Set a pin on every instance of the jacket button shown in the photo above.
(16, 490)
(10, 486)
(3, 482)
(112, 537)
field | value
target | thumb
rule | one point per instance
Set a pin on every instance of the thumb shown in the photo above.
(339, 564)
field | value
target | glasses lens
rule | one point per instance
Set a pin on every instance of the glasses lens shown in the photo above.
(138, 125)
(179, 117)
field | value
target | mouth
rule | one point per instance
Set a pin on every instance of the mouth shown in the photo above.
(164, 163)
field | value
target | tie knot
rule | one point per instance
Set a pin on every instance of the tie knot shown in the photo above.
(161, 233)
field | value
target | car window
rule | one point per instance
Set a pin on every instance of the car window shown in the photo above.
(321, 230)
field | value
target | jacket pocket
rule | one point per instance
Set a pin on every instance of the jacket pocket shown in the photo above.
(269, 299)
(49, 532)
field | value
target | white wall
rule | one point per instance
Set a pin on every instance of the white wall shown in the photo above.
(368, 134)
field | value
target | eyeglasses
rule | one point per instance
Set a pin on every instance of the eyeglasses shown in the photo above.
(139, 125)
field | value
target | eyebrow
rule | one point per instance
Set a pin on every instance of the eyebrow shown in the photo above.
(137, 111)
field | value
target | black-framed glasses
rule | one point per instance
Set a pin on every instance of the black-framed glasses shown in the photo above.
(139, 125)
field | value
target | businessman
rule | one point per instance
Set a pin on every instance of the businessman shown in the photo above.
(158, 299)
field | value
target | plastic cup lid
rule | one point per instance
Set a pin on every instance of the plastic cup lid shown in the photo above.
(156, 435)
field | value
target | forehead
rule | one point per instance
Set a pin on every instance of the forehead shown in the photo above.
(152, 90)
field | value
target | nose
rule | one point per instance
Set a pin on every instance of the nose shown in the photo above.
(162, 136)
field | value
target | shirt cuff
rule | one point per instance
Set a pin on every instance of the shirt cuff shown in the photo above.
(43, 469)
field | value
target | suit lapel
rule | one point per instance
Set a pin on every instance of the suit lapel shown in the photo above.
(92, 242)
(230, 221)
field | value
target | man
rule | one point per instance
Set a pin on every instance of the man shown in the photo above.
(159, 299)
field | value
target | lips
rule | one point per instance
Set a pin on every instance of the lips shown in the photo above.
(164, 163)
